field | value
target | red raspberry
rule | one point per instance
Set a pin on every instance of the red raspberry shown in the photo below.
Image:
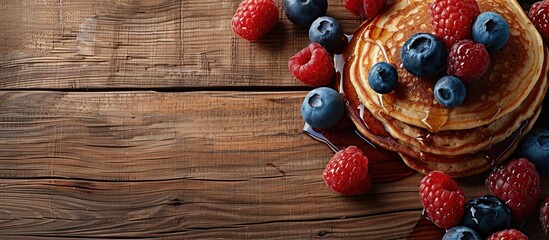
(347, 172)
(453, 20)
(517, 184)
(254, 18)
(544, 216)
(364, 8)
(372, 7)
(468, 60)
(509, 234)
(539, 15)
(312, 65)
(442, 199)
(354, 6)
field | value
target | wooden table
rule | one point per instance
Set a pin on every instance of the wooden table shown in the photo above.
(128, 119)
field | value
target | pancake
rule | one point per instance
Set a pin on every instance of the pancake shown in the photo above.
(458, 142)
(456, 166)
(476, 163)
(511, 76)
(500, 108)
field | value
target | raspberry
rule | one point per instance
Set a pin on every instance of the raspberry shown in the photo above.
(364, 8)
(453, 20)
(539, 15)
(347, 172)
(354, 6)
(509, 234)
(312, 66)
(372, 7)
(442, 199)
(517, 184)
(544, 216)
(468, 60)
(254, 18)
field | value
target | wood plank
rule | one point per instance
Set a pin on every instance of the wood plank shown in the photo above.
(286, 207)
(150, 135)
(245, 157)
(259, 208)
(71, 44)
(153, 135)
(196, 164)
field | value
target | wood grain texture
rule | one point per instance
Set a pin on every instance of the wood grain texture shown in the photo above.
(244, 170)
(200, 209)
(197, 165)
(150, 136)
(71, 44)
(188, 133)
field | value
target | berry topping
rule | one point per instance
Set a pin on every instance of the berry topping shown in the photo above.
(304, 12)
(450, 91)
(383, 77)
(347, 172)
(461, 233)
(468, 60)
(544, 216)
(442, 199)
(535, 147)
(312, 66)
(492, 30)
(327, 32)
(452, 20)
(372, 7)
(322, 108)
(517, 184)
(364, 8)
(254, 18)
(509, 234)
(539, 15)
(354, 6)
(423, 55)
(487, 215)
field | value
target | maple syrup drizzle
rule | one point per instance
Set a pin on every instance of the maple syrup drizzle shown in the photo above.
(496, 151)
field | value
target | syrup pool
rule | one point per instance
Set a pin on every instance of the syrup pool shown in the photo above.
(384, 165)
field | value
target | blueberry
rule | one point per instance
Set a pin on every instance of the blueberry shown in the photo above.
(487, 215)
(423, 55)
(535, 147)
(383, 77)
(322, 108)
(461, 233)
(492, 30)
(450, 91)
(304, 12)
(326, 31)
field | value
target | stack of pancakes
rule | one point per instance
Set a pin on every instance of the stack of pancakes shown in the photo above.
(499, 109)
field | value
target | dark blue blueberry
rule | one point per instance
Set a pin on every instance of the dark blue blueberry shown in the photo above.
(322, 108)
(461, 233)
(326, 31)
(535, 147)
(487, 215)
(492, 30)
(304, 12)
(383, 77)
(423, 55)
(450, 91)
